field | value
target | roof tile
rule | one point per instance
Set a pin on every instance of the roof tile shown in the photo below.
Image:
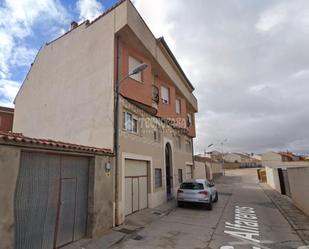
(18, 138)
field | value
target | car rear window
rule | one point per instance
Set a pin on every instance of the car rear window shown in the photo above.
(192, 185)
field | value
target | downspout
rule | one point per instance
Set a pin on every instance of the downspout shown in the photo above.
(116, 131)
(192, 149)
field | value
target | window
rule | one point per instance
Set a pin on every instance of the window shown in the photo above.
(156, 135)
(133, 63)
(192, 185)
(180, 176)
(178, 142)
(177, 106)
(188, 146)
(165, 95)
(158, 178)
(189, 120)
(130, 122)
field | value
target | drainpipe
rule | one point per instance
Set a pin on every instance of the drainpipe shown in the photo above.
(116, 131)
(192, 149)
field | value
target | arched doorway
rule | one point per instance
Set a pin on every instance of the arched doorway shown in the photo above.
(169, 171)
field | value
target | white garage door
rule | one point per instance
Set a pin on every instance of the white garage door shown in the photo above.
(135, 186)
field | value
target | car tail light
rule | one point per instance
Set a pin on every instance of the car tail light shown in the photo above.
(179, 191)
(203, 193)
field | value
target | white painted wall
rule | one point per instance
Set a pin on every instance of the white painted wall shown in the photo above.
(68, 93)
(199, 170)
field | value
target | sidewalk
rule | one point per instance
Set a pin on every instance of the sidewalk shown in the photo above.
(297, 219)
(133, 223)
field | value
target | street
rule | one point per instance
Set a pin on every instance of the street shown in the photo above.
(244, 217)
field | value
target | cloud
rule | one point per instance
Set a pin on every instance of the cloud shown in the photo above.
(248, 61)
(89, 9)
(272, 18)
(17, 21)
(8, 91)
(301, 74)
(156, 15)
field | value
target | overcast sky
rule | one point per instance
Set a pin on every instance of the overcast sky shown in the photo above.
(248, 61)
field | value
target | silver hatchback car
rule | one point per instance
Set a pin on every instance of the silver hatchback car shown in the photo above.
(197, 191)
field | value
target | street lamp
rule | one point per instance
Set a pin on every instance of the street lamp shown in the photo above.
(139, 68)
(209, 145)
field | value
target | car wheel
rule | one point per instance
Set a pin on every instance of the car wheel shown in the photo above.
(216, 197)
(180, 204)
(209, 205)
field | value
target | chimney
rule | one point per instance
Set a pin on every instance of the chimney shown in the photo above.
(74, 25)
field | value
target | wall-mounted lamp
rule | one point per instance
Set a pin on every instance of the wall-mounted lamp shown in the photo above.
(108, 167)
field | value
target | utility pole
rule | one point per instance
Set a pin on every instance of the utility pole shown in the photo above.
(222, 153)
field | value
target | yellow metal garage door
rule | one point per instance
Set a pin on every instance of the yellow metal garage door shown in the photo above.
(135, 186)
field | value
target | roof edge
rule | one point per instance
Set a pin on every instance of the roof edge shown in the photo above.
(18, 139)
(169, 51)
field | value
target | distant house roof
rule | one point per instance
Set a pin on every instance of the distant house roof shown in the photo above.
(6, 109)
(19, 139)
(204, 158)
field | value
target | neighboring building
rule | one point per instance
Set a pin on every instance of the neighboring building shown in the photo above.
(288, 174)
(6, 119)
(257, 157)
(244, 160)
(205, 167)
(69, 95)
(53, 193)
(276, 165)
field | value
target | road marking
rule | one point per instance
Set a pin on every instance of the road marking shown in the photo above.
(246, 229)
(245, 226)
(246, 243)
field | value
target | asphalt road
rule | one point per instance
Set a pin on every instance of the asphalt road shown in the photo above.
(243, 218)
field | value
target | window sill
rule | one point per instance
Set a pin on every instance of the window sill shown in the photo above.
(132, 133)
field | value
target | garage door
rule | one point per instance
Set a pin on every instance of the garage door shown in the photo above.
(135, 186)
(51, 200)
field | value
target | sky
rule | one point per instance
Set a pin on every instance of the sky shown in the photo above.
(248, 61)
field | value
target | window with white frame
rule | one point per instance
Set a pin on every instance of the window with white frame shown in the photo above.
(158, 178)
(165, 95)
(133, 63)
(130, 122)
(178, 106)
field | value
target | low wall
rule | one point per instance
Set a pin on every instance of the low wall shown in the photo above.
(231, 165)
(101, 197)
(9, 167)
(273, 178)
(299, 186)
(199, 170)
